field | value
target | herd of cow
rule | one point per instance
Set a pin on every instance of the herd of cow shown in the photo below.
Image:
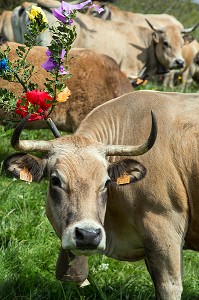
(100, 199)
(151, 42)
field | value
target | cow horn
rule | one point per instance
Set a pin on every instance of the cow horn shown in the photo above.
(187, 30)
(154, 27)
(122, 150)
(30, 145)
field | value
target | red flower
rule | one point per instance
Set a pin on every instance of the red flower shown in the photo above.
(36, 102)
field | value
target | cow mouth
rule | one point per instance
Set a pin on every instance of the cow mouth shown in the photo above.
(177, 64)
(176, 67)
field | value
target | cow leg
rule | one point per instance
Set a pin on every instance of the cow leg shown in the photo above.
(71, 268)
(163, 249)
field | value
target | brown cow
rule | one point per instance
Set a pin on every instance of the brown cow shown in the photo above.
(189, 53)
(5, 26)
(133, 47)
(91, 211)
(95, 79)
(115, 14)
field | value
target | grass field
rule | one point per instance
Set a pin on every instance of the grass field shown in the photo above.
(29, 249)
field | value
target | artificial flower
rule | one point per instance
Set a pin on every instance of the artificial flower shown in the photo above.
(4, 64)
(50, 64)
(99, 9)
(62, 71)
(34, 12)
(63, 13)
(37, 102)
(63, 96)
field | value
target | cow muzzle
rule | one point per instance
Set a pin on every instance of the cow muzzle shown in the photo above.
(84, 238)
(87, 239)
(178, 63)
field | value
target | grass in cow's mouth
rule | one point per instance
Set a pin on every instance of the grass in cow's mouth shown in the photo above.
(29, 250)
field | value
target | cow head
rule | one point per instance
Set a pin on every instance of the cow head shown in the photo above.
(79, 176)
(168, 45)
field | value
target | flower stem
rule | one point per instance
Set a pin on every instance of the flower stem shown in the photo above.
(55, 93)
(22, 83)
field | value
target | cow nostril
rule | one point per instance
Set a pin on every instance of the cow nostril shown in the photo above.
(87, 239)
(79, 233)
(180, 63)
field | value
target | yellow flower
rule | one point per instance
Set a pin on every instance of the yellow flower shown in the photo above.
(34, 12)
(63, 96)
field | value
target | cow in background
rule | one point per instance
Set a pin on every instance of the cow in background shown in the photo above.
(114, 13)
(96, 78)
(6, 30)
(185, 76)
(133, 47)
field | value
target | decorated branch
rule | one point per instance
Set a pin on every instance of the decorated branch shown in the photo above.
(39, 104)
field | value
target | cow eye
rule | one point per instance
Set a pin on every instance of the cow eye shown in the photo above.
(166, 44)
(107, 182)
(55, 181)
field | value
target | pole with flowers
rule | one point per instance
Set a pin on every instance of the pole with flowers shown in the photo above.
(34, 103)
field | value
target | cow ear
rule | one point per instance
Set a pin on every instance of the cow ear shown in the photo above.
(24, 166)
(126, 171)
(188, 38)
(156, 36)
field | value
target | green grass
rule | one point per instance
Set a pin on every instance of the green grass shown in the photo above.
(29, 250)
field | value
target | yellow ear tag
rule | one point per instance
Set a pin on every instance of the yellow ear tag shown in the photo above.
(25, 175)
(144, 82)
(139, 81)
(124, 179)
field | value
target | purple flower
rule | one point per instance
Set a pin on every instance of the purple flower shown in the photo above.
(58, 13)
(62, 71)
(99, 9)
(51, 64)
(63, 13)
(63, 52)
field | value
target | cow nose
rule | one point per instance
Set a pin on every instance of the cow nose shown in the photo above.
(180, 63)
(87, 239)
